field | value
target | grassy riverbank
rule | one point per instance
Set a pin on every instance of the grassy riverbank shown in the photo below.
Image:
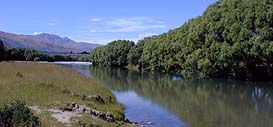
(50, 86)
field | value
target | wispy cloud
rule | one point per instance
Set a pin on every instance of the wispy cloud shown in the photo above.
(136, 24)
(92, 31)
(95, 19)
(141, 36)
(98, 41)
(36, 33)
(52, 23)
(136, 28)
(104, 30)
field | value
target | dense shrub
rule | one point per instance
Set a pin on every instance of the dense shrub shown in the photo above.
(17, 115)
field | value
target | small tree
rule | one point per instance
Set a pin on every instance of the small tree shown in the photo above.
(2, 50)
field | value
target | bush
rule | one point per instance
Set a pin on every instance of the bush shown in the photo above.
(2, 50)
(17, 115)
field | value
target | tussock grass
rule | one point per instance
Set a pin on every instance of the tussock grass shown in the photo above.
(48, 86)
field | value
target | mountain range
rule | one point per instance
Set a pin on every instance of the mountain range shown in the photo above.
(45, 42)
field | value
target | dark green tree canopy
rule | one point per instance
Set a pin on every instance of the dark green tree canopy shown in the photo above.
(232, 39)
(2, 50)
(113, 54)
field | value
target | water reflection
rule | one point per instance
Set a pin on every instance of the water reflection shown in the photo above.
(144, 111)
(200, 103)
(84, 69)
(171, 101)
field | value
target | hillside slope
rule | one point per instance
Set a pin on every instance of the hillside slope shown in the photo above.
(45, 42)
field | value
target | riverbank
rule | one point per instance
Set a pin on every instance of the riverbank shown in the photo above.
(50, 90)
(166, 100)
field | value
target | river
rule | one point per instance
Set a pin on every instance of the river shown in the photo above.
(159, 100)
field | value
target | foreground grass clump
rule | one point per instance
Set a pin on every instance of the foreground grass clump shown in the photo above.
(17, 115)
(51, 86)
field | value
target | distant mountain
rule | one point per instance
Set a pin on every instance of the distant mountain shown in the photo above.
(45, 43)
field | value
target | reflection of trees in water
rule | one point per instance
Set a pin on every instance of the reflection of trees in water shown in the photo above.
(84, 69)
(200, 103)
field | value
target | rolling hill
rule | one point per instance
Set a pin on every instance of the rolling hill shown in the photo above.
(45, 43)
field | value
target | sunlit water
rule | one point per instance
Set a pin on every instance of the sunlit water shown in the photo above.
(170, 101)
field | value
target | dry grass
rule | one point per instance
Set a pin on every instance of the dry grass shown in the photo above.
(44, 85)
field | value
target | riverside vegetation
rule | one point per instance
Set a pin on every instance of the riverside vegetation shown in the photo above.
(232, 39)
(20, 54)
(50, 90)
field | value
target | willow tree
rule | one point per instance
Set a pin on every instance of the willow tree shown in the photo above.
(232, 39)
(113, 54)
(2, 50)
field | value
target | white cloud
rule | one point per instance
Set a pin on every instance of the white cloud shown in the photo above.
(134, 24)
(141, 36)
(105, 41)
(93, 31)
(125, 25)
(101, 42)
(105, 30)
(52, 24)
(136, 28)
(96, 20)
(36, 33)
(124, 22)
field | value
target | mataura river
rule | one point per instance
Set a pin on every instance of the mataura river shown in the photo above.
(159, 100)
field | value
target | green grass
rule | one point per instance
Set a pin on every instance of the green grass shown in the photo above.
(44, 85)
(98, 122)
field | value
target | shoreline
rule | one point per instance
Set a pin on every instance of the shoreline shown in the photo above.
(53, 87)
(69, 62)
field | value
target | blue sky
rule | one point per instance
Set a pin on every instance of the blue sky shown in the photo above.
(98, 21)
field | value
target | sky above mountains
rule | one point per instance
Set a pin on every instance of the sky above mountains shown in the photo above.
(98, 21)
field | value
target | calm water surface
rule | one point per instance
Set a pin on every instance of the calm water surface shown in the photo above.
(170, 101)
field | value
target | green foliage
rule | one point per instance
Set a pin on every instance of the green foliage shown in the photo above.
(19, 54)
(135, 53)
(84, 58)
(113, 54)
(233, 39)
(17, 115)
(2, 50)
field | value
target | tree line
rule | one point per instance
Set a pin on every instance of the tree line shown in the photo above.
(232, 39)
(113, 54)
(21, 54)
